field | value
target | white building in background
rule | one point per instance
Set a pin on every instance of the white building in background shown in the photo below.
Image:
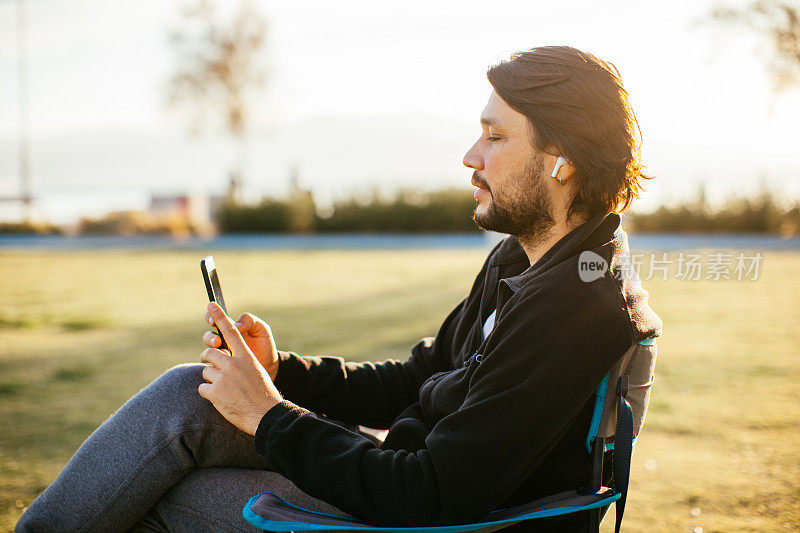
(198, 209)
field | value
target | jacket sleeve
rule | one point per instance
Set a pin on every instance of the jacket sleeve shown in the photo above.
(367, 393)
(538, 370)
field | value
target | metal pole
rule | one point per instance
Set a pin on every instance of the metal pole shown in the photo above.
(24, 161)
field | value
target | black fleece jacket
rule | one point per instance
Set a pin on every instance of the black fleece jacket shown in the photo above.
(474, 424)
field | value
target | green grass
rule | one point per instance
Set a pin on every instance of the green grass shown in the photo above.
(81, 332)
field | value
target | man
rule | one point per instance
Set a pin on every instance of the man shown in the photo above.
(491, 413)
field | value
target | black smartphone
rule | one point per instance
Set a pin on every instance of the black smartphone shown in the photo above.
(214, 289)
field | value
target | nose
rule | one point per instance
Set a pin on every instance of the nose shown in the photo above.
(473, 158)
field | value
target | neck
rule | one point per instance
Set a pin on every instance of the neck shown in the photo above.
(536, 246)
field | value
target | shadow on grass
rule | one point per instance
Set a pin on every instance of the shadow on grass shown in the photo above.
(70, 324)
(9, 388)
(83, 323)
(75, 372)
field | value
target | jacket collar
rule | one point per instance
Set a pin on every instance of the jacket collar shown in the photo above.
(591, 234)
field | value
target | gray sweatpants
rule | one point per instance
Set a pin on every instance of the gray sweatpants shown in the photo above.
(165, 461)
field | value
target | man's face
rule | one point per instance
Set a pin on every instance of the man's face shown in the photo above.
(513, 195)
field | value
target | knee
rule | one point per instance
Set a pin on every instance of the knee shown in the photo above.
(38, 518)
(182, 379)
(176, 389)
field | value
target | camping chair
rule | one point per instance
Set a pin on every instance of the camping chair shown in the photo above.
(616, 421)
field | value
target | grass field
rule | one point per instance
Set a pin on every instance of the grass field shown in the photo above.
(80, 332)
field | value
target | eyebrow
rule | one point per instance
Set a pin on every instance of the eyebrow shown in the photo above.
(490, 121)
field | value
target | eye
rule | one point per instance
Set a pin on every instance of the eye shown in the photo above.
(492, 139)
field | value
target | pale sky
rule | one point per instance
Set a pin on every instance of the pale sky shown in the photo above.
(374, 93)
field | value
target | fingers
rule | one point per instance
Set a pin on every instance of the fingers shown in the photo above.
(211, 339)
(246, 322)
(252, 325)
(229, 331)
(218, 358)
(204, 389)
(211, 374)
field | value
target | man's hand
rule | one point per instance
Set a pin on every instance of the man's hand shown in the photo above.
(238, 386)
(258, 337)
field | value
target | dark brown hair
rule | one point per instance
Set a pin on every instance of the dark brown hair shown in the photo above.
(576, 103)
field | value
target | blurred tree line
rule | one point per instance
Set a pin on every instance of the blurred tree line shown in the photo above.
(764, 213)
(450, 211)
(443, 211)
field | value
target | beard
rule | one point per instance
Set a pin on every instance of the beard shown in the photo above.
(526, 211)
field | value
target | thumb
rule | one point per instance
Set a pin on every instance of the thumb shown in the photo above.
(249, 323)
(245, 322)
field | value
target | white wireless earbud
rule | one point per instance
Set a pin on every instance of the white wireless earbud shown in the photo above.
(559, 163)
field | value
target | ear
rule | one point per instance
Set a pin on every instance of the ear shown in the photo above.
(560, 161)
(562, 170)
